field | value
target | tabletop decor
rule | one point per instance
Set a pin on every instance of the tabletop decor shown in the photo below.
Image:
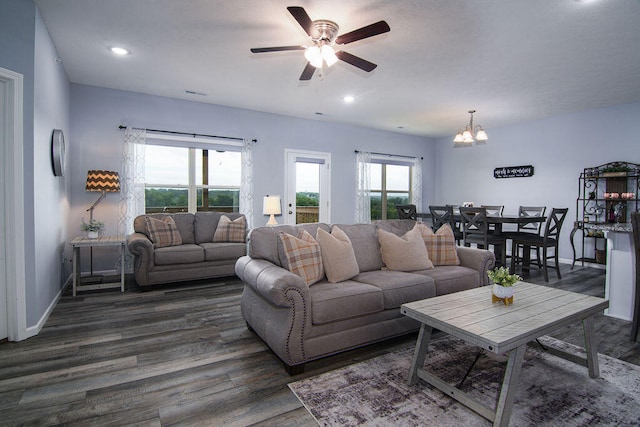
(502, 284)
(92, 228)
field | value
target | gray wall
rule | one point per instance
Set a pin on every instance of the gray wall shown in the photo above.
(26, 48)
(558, 147)
(97, 112)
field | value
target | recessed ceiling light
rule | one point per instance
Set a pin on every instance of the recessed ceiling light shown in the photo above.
(119, 50)
(348, 99)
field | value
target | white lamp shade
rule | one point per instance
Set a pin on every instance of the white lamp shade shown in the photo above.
(271, 205)
(329, 55)
(314, 56)
(458, 137)
(481, 135)
(467, 137)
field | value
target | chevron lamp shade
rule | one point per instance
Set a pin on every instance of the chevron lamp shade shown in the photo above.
(98, 180)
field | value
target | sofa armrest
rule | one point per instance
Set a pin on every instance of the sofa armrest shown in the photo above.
(274, 284)
(481, 260)
(142, 248)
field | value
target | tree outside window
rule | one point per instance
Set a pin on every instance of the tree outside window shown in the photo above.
(181, 179)
(390, 186)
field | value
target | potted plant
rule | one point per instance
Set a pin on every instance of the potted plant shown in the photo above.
(502, 284)
(92, 228)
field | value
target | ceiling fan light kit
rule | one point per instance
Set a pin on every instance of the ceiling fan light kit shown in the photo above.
(470, 135)
(323, 35)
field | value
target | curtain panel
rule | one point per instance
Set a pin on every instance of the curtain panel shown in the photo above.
(363, 187)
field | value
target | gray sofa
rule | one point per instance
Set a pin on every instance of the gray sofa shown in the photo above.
(198, 257)
(301, 323)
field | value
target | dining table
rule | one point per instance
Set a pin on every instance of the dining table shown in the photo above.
(498, 221)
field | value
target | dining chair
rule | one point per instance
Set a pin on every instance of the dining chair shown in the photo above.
(441, 215)
(549, 240)
(407, 212)
(493, 210)
(528, 227)
(635, 223)
(475, 230)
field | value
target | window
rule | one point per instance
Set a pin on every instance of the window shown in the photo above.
(390, 186)
(187, 179)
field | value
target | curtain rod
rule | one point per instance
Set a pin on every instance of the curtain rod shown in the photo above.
(392, 155)
(189, 134)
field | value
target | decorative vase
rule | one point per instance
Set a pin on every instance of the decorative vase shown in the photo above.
(92, 234)
(502, 293)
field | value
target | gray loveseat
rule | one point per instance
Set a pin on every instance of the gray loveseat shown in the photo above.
(301, 323)
(197, 257)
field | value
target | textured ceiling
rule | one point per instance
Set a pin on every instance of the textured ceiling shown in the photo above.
(511, 60)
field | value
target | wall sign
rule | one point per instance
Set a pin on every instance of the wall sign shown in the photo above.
(513, 172)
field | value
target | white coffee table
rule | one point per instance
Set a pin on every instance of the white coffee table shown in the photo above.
(473, 317)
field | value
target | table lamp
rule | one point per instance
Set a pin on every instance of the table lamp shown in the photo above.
(271, 206)
(104, 181)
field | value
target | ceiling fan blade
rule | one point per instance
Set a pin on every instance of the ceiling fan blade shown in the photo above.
(308, 71)
(303, 19)
(356, 61)
(364, 32)
(275, 49)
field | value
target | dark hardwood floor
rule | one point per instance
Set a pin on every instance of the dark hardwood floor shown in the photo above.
(183, 355)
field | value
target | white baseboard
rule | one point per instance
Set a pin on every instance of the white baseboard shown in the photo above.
(35, 329)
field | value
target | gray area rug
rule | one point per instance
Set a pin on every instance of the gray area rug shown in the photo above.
(551, 391)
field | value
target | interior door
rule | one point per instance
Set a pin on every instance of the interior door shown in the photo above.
(3, 236)
(307, 187)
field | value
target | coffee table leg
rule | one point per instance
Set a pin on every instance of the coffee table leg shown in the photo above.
(509, 386)
(591, 347)
(420, 353)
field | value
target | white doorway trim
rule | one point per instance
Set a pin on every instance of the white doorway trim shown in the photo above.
(13, 169)
(324, 159)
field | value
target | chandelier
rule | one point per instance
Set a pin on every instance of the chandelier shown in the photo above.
(470, 134)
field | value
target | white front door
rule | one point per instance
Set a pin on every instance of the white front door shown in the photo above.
(307, 187)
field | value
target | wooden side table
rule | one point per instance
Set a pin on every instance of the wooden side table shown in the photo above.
(84, 242)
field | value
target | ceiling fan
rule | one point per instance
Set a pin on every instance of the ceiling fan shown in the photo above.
(323, 35)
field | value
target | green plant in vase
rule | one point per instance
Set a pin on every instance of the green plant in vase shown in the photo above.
(502, 284)
(92, 228)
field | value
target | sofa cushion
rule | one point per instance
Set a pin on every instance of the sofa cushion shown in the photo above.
(262, 242)
(399, 287)
(205, 224)
(406, 253)
(184, 222)
(223, 251)
(331, 302)
(301, 255)
(230, 231)
(163, 232)
(338, 258)
(453, 278)
(183, 254)
(365, 244)
(441, 245)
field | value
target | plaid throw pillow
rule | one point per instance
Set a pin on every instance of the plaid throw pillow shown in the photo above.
(163, 232)
(302, 256)
(230, 231)
(441, 245)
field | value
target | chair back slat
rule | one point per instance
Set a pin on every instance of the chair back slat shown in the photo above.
(554, 223)
(494, 210)
(407, 212)
(441, 215)
(533, 211)
(474, 225)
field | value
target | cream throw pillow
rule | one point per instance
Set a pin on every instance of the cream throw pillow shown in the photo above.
(338, 257)
(406, 253)
(302, 256)
(441, 245)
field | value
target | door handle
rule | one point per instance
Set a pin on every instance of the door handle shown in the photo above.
(290, 212)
